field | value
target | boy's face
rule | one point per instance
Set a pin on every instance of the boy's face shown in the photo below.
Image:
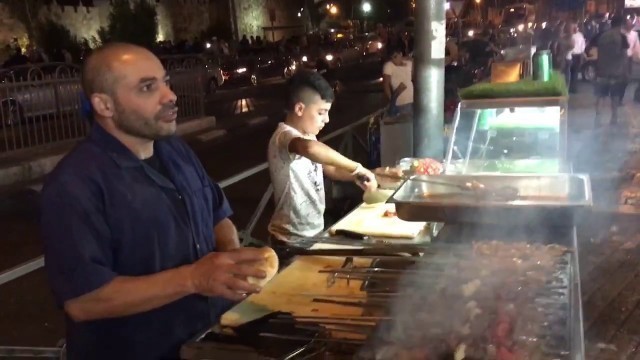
(313, 116)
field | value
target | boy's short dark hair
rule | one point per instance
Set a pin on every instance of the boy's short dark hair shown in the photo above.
(392, 50)
(305, 82)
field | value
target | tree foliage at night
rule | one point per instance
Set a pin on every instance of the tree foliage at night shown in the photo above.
(53, 37)
(26, 11)
(137, 24)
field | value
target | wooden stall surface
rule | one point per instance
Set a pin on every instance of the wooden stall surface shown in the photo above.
(288, 292)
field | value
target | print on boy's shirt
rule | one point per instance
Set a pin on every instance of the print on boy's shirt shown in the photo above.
(314, 176)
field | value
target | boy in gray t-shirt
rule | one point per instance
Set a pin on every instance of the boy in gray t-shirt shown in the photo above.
(297, 161)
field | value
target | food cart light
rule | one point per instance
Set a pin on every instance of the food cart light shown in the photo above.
(379, 45)
(521, 27)
(208, 45)
(471, 32)
(241, 70)
(530, 25)
(329, 57)
(304, 59)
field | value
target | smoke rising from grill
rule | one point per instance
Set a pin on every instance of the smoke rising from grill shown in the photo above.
(489, 300)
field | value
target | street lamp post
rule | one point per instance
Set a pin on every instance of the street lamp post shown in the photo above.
(428, 121)
(366, 9)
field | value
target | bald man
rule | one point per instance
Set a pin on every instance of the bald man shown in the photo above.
(139, 248)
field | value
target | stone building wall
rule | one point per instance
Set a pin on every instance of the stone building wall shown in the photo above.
(177, 19)
(81, 21)
(253, 16)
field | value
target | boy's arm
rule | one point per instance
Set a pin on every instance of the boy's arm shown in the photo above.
(335, 165)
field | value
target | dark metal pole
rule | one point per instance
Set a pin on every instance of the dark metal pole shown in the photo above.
(428, 102)
(234, 20)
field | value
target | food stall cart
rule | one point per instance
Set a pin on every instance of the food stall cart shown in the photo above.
(480, 290)
(513, 135)
(510, 128)
(499, 281)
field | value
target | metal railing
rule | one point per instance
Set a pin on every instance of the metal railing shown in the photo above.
(41, 104)
(346, 146)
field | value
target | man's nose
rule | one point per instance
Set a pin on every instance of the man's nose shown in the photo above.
(168, 95)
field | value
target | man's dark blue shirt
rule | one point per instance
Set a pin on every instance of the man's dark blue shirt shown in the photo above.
(106, 213)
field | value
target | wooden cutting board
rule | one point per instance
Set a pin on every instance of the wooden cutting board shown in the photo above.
(284, 292)
(369, 219)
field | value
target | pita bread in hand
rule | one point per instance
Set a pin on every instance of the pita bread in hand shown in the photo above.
(269, 265)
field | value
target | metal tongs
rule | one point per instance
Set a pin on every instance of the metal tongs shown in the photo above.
(505, 193)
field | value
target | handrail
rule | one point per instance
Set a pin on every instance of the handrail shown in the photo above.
(21, 270)
(37, 263)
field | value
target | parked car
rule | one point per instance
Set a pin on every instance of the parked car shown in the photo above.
(371, 43)
(333, 55)
(30, 91)
(257, 65)
(181, 68)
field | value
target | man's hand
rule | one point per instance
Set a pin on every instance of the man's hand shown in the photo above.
(400, 89)
(365, 179)
(225, 273)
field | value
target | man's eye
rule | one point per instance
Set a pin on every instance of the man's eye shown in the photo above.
(148, 87)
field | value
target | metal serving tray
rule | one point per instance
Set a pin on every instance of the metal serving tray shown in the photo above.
(553, 199)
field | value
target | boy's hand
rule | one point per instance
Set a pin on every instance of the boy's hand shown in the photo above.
(365, 179)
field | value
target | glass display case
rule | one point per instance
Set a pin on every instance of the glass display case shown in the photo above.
(524, 135)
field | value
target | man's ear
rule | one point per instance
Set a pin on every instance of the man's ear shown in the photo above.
(298, 108)
(103, 105)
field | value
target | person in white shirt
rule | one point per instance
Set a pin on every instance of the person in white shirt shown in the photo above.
(632, 51)
(298, 162)
(576, 56)
(397, 82)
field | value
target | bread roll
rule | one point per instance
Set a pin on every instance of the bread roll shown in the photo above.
(269, 265)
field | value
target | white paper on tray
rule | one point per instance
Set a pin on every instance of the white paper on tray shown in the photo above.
(370, 220)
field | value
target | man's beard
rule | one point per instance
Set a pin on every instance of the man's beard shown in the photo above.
(135, 124)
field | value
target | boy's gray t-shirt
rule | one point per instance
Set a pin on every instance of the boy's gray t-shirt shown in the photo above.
(298, 188)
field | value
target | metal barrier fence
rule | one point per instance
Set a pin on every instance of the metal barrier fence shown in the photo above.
(349, 138)
(189, 78)
(41, 104)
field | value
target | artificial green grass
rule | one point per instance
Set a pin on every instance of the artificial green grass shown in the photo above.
(524, 88)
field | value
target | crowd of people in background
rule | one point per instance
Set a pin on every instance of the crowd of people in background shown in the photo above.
(616, 40)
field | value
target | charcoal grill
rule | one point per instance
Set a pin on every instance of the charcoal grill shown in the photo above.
(558, 335)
